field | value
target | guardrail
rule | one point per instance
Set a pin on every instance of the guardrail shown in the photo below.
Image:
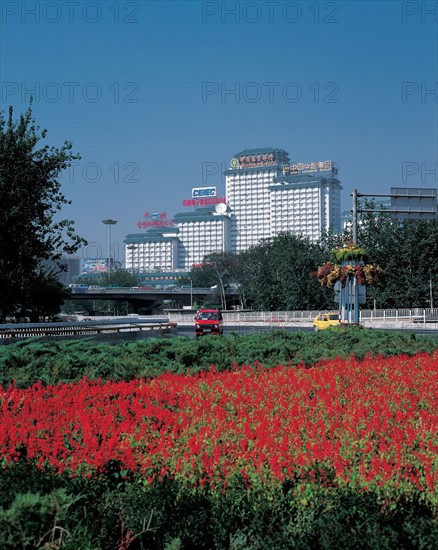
(79, 329)
(414, 315)
(133, 290)
(368, 316)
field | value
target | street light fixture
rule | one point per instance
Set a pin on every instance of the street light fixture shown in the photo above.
(109, 222)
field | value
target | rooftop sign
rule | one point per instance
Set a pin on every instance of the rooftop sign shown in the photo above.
(155, 219)
(199, 192)
(253, 161)
(207, 201)
(320, 166)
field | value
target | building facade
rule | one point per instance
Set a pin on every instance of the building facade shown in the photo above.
(267, 195)
(152, 250)
(201, 232)
(194, 235)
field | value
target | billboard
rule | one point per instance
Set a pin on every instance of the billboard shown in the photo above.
(95, 265)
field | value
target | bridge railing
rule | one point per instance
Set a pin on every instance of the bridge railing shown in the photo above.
(133, 290)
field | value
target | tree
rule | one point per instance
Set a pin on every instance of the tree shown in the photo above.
(199, 276)
(119, 277)
(408, 250)
(217, 269)
(224, 267)
(276, 274)
(405, 250)
(31, 198)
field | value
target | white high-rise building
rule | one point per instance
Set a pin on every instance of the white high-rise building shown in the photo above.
(267, 195)
(193, 236)
(202, 232)
(151, 250)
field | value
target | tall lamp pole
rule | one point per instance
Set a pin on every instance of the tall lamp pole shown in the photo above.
(109, 222)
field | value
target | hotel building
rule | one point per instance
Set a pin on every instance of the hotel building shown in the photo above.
(267, 195)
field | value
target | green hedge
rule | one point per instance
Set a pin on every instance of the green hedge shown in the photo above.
(52, 362)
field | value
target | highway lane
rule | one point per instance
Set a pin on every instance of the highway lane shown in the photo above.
(241, 329)
(186, 330)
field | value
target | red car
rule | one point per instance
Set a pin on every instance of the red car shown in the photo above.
(208, 321)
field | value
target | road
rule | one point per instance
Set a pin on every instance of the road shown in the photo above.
(241, 329)
(185, 330)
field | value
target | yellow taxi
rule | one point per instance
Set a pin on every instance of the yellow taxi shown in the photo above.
(326, 320)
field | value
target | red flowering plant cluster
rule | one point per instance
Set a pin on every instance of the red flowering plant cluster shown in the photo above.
(368, 424)
(347, 263)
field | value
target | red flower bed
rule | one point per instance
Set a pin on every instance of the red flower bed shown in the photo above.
(365, 423)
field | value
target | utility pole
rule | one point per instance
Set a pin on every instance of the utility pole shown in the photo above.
(354, 216)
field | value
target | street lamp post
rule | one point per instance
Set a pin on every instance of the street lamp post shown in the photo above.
(109, 222)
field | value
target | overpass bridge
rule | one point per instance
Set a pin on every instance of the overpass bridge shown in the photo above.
(147, 298)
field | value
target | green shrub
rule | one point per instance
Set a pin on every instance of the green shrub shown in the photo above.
(105, 513)
(30, 361)
(34, 520)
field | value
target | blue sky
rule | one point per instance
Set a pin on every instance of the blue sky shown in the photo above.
(145, 92)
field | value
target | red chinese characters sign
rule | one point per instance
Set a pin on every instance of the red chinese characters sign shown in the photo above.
(204, 202)
(154, 220)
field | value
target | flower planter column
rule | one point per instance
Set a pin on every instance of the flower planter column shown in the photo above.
(348, 274)
(350, 296)
(356, 299)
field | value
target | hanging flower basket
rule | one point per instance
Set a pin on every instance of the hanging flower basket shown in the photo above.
(349, 252)
(332, 272)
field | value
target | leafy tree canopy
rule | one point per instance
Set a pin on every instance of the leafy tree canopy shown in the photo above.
(406, 250)
(119, 277)
(276, 274)
(31, 198)
(220, 269)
